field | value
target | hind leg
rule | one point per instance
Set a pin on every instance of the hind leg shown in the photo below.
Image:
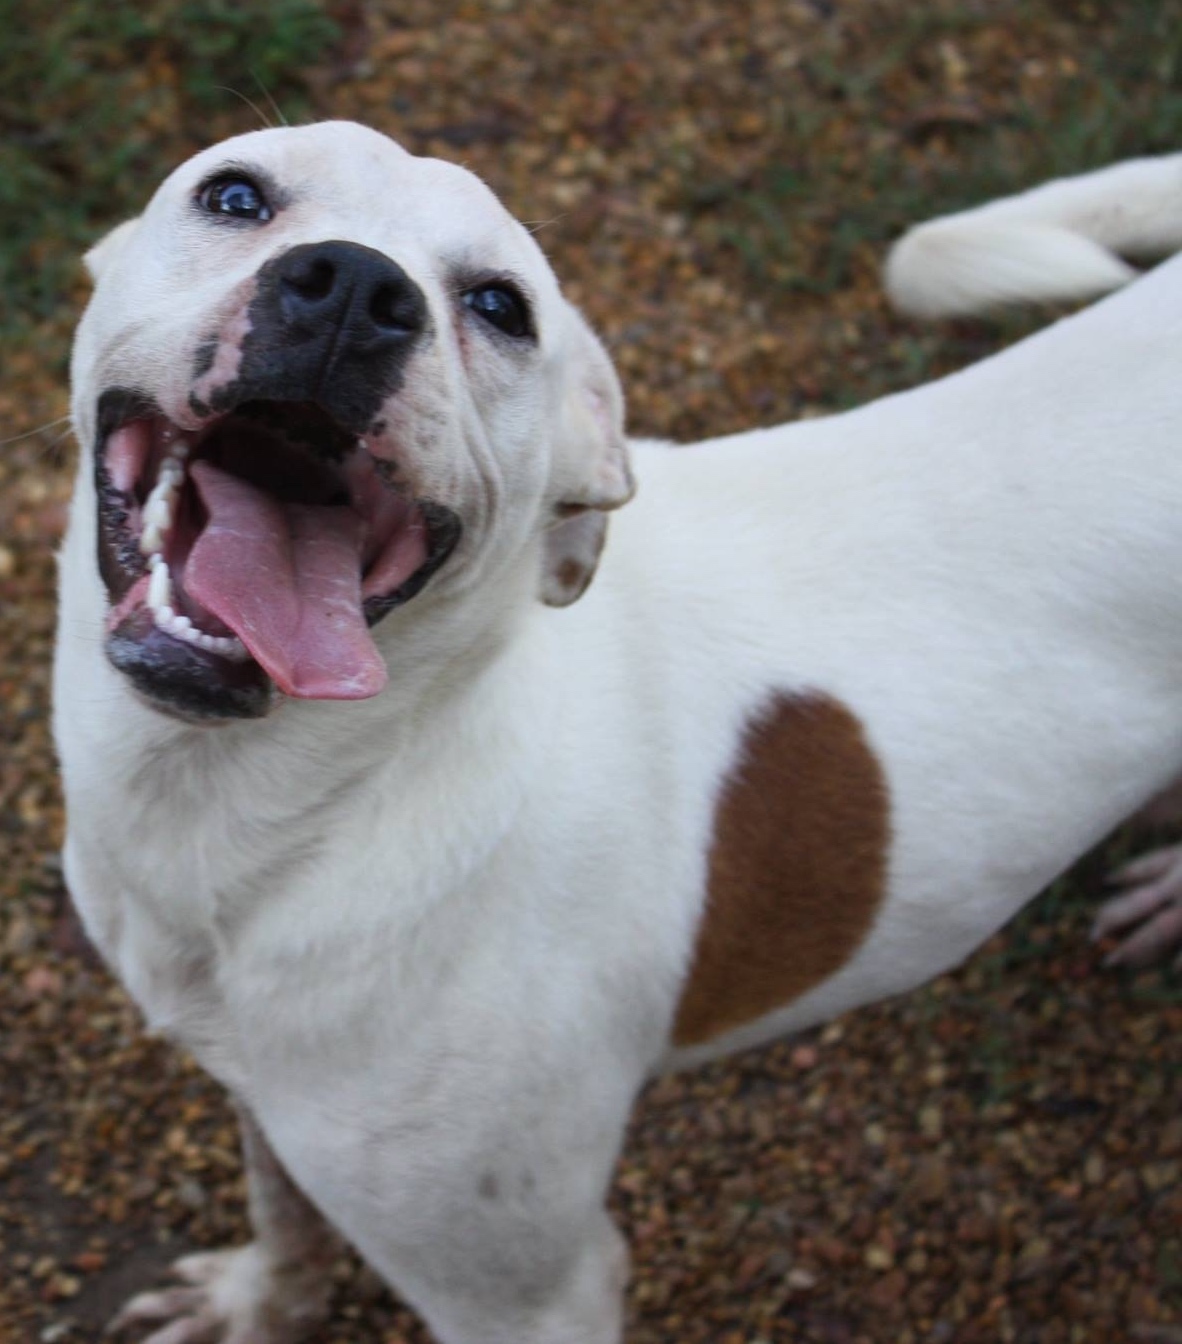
(1148, 909)
(1150, 906)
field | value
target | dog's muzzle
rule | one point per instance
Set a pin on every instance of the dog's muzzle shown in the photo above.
(256, 551)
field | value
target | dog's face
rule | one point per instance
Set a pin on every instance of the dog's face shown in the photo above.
(316, 374)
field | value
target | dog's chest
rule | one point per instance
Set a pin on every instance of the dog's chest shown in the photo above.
(228, 883)
(162, 869)
(154, 921)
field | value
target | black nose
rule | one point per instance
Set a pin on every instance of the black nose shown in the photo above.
(367, 300)
(334, 323)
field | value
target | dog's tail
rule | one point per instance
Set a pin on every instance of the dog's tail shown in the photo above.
(1071, 239)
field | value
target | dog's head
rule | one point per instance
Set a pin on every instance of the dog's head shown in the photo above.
(317, 374)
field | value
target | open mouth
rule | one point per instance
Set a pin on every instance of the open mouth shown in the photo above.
(254, 553)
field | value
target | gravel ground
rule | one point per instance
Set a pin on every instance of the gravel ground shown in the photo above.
(995, 1158)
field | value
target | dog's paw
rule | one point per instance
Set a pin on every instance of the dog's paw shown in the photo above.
(230, 1297)
(1152, 899)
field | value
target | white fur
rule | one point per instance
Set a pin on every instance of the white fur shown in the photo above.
(433, 941)
(1060, 242)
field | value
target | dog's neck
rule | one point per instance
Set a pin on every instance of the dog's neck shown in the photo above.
(441, 656)
(254, 795)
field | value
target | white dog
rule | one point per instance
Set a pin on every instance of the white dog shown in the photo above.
(433, 875)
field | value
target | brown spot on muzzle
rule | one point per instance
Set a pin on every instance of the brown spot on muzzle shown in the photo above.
(797, 868)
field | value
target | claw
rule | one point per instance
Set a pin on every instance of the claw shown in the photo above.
(1152, 899)
(230, 1297)
(200, 1329)
(1151, 941)
(1121, 911)
(157, 1306)
(202, 1267)
(1148, 867)
(181, 1311)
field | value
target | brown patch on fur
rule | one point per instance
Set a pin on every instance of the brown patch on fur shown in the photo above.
(797, 868)
(571, 552)
(570, 573)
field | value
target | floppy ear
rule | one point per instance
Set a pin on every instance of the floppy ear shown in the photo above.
(104, 251)
(572, 547)
(592, 470)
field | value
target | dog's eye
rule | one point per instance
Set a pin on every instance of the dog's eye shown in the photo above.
(501, 306)
(234, 196)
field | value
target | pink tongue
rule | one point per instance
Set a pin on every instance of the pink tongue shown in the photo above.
(286, 578)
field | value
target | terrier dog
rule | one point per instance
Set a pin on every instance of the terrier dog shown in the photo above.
(430, 848)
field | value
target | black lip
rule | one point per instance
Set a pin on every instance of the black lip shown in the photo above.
(119, 560)
(178, 678)
(444, 530)
(186, 681)
(117, 405)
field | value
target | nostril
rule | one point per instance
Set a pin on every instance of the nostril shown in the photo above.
(337, 284)
(393, 308)
(314, 280)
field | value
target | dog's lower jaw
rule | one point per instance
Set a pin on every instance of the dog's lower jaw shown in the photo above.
(174, 679)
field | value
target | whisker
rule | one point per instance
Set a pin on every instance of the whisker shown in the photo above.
(51, 453)
(87, 637)
(537, 225)
(30, 433)
(266, 92)
(254, 107)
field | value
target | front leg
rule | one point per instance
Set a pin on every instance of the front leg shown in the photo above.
(274, 1290)
(582, 1305)
(476, 1191)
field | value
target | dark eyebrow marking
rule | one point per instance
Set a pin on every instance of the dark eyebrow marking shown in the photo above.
(278, 198)
(463, 275)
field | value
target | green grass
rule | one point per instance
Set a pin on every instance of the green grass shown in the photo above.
(98, 102)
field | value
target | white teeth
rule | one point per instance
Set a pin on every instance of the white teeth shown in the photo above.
(181, 627)
(226, 646)
(160, 588)
(151, 540)
(159, 506)
(157, 512)
(157, 515)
